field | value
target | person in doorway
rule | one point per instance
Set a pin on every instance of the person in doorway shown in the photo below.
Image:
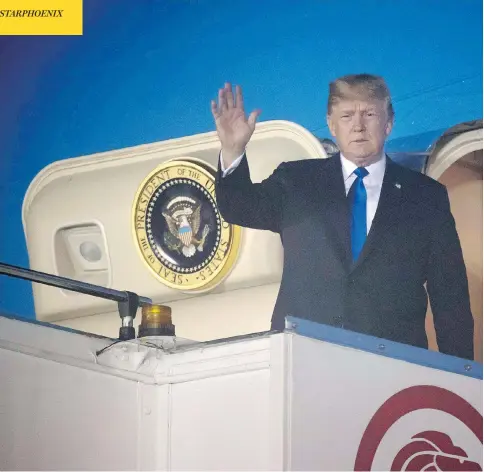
(366, 241)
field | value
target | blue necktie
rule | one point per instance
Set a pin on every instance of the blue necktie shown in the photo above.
(357, 194)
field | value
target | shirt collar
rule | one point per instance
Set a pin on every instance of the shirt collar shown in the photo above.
(377, 169)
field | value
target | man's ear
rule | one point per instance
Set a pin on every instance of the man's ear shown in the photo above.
(388, 126)
(330, 123)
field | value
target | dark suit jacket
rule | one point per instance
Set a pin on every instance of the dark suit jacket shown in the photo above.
(412, 241)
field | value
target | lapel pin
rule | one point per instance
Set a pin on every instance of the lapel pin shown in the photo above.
(398, 185)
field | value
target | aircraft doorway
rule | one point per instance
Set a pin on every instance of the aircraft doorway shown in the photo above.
(463, 179)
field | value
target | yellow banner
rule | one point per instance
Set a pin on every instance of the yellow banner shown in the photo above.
(40, 17)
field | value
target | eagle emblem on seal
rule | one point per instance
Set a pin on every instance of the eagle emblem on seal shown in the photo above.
(183, 218)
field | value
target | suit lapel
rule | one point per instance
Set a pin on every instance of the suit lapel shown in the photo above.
(387, 213)
(336, 210)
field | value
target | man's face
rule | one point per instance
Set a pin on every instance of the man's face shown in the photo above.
(360, 128)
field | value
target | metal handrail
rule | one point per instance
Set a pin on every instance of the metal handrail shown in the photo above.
(68, 284)
(128, 302)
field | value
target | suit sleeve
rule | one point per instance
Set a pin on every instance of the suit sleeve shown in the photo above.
(447, 286)
(251, 205)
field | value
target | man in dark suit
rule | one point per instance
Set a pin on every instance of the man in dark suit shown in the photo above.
(364, 239)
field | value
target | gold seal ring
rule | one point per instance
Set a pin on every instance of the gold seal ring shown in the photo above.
(178, 230)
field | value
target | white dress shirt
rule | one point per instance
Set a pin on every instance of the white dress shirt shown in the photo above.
(232, 166)
(372, 182)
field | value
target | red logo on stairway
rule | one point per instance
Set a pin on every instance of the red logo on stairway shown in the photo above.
(427, 450)
(433, 451)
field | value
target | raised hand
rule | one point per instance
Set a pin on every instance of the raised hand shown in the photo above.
(234, 129)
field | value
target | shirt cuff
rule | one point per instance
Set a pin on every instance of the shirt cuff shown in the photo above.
(232, 166)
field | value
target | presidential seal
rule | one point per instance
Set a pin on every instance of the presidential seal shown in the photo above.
(178, 229)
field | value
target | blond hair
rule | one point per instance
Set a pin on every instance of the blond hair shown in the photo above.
(360, 86)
